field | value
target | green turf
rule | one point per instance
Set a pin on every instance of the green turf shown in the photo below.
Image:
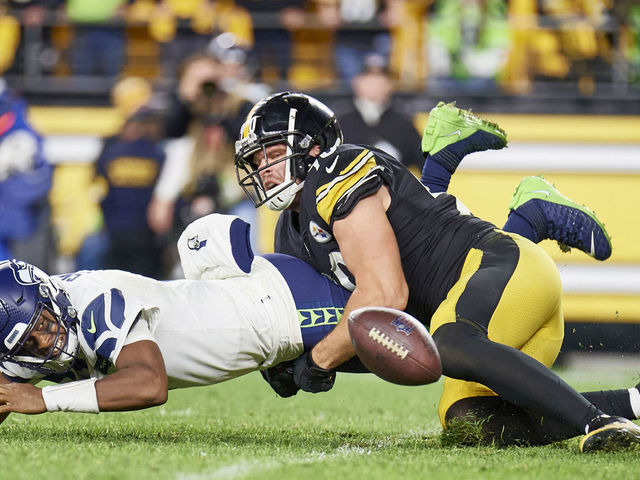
(363, 429)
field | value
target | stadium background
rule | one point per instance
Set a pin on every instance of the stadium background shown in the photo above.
(567, 93)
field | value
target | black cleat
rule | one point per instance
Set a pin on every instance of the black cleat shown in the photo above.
(608, 434)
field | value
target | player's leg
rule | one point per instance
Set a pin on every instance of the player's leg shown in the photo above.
(449, 135)
(539, 211)
(508, 293)
(472, 414)
(488, 419)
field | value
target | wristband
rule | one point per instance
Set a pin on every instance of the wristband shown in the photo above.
(79, 396)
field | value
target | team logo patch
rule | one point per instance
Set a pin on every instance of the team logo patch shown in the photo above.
(402, 326)
(25, 274)
(318, 234)
(195, 244)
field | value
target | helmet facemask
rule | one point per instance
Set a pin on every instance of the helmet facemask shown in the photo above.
(281, 196)
(58, 355)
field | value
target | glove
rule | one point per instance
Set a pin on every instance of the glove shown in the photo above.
(280, 378)
(310, 377)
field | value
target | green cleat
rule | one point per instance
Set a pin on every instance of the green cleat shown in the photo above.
(556, 217)
(449, 125)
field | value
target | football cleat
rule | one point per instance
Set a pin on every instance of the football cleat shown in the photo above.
(556, 217)
(448, 125)
(606, 434)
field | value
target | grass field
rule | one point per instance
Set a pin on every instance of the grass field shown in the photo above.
(364, 428)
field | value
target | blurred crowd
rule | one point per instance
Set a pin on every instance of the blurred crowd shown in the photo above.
(311, 44)
(184, 73)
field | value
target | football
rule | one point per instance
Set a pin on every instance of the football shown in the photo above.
(394, 345)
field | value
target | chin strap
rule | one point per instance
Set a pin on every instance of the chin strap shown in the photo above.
(285, 198)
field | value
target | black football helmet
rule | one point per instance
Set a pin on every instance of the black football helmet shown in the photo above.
(296, 120)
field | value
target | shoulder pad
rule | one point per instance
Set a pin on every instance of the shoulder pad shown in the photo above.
(340, 174)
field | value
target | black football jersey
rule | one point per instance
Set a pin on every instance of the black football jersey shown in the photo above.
(434, 231)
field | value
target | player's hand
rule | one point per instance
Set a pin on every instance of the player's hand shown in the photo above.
(310, 377)
(280, 378)
(21, 398)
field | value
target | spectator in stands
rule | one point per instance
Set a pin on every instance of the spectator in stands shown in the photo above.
(99, 41)
(200, 178)
(468, 42)
(25, 181)
(37, 53)
(196, 75)
(564, 41)
(9, 38)
(185, 27)
(129, 166)
(627, 15)
(272, 45)
(372, 118)
(581, 40)
(407, 25)
(353, 40)
(235, 68)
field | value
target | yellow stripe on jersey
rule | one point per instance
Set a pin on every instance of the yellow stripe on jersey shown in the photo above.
(328, 195)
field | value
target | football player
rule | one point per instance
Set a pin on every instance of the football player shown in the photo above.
(492, 298)
(118, 341)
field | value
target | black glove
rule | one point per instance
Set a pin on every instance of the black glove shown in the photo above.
(280, 378)
(310, 377)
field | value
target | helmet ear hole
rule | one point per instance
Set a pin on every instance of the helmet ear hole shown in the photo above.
(300, 167)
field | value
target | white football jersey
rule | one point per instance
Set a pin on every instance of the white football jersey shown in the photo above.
(208, 330)
(232, 315)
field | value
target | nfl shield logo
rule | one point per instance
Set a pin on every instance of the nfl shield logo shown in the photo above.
(402, 326)
(318, 234)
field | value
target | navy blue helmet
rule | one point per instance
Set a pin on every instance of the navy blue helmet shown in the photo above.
(32, 307)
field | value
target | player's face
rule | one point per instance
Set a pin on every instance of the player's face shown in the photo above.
(272, 172)
(47, 339)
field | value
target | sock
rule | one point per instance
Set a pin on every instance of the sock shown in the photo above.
(518, 222)
(451, 155)
(616, 403)
(634, 400)
(434, 175)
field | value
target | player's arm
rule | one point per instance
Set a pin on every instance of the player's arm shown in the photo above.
(369, 248)
(139, 382)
